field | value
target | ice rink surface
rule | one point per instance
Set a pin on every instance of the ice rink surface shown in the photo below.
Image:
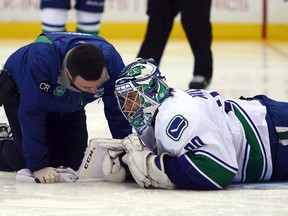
(240, 68)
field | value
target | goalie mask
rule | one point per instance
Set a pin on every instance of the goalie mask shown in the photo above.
(140, 90)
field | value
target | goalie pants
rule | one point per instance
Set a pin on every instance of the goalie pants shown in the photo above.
(195, 19)
(277, 120)
(66, 134)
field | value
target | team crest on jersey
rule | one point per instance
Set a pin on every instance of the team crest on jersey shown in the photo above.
(176, 127)
(59, 90)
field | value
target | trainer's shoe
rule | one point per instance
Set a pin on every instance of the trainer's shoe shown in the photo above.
(199, 82)
(5, 131)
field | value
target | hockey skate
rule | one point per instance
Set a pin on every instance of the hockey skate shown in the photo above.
(199, 82)
(5, 131)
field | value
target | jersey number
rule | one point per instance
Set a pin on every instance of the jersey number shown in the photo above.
(194, 143)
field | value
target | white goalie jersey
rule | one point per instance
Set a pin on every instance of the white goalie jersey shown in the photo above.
(230, 133)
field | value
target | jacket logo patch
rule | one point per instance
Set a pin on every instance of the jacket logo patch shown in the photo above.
(176, 127)
(45, 86)
(59, 91)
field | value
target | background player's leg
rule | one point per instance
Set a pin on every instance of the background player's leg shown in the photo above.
(195, 19)
(54, 15)
(89, 16)
(161, 16)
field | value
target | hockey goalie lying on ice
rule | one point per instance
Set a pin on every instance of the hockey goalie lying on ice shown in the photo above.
(192, 139)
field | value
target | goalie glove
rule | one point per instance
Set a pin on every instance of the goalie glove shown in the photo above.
(142, 165)
(132, 143)
(102, 160)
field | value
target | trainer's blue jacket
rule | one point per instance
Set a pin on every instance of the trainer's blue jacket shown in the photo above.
(38, 70)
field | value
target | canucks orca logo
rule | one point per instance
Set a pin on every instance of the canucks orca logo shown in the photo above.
(176, 127)
(136, 70)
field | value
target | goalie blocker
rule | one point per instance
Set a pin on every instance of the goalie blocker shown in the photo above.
(102, 160)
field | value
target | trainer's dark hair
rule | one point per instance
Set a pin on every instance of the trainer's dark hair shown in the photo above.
(86, 61)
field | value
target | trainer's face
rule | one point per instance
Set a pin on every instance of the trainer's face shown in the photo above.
(89, 86)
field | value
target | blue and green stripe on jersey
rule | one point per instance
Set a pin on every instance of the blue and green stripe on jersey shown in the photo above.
(254, 164)
(216, 171)
(255, 161)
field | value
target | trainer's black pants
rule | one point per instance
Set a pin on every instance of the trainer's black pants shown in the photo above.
(195, 19)
(66, 134)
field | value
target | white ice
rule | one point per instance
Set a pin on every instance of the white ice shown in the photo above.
(240, 68)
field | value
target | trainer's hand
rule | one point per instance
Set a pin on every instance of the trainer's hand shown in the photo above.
(46, 175)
